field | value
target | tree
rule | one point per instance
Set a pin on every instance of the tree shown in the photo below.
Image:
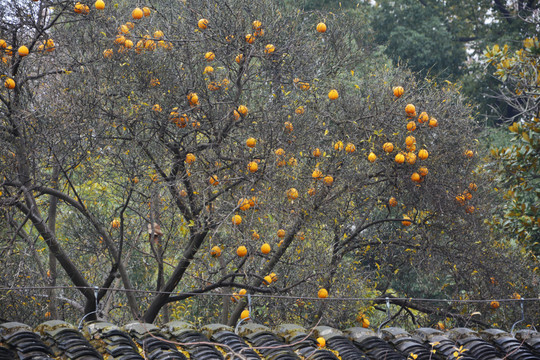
(218, 124)
(516, 169)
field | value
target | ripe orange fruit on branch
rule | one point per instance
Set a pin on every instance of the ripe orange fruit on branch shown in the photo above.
(321, 27)
(190, 158)
(388, 147)
(244, 315)
(392, 202)
(9, 83)
(137, 13)
(281, 233)
(469, 153)
(265, 248)
(433, 123)
(321, 342)
(372, 157)
(115, 224)
(338, 146)
(423, 154)
(411, 126)
(253, 167)
(193, 99)
(350, 148)
(317, 152)
(243, 110)
(241, 251)
(236, 219)
(146, 11)
(494, 304)
(416, 177)
(209, 56)
(328, 180)
(99, 4)
(423, 171)
(213, 180)
(333, 94)
(317, 174)
(23, 51)
(410, 109)
(400, 158)
(268, 49)
(202, 24)
(406, 220)
(251, 142)
(398, 91)
(250, 38)
(410, 140)
(322, 294)
(267, 280)
(423, 118)
(215, 252)
(411, 158)
(292, 194)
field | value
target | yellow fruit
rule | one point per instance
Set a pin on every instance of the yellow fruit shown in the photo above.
(108, 53)
(365, 323)
(338, 146)
(265, 249)
(388, 147)
(398, 91)
(281, 233)
(193, 99)
(250, 38)
(190, 158)
(423, 118)
(316, 152)
(241, 251)
(23, 51)
(322, 294)
(243, 110)
(321, 27)
(416, 177)
(299, 110)
(411, 158)
(410, 110)
(215, 251)
(202, 24)
(423, 154)
(292, 194)
(9, 83)
(321, 342)
(469, 153)
(289, 126)
(333, 94)
(411, 126)
(146, 11)
(372, 157)
(328, 180)
(251, 142)
(213, 180)
(494, 304)
(392, 202)
(242, 292)
(317, 174)
(473, 187)
(115, 224)
(350, 148)
(99, 4)
(239, 58)
(268, 49)
(423, 171)
(209, 56)
(128, 44)
(274, 277)
(400, 158)
(256, 25)
(267, 280)
(253, 167)
(3, 44)
(409, 140)
(433, 123)
(406, 220)
(279, 152)
(158, 34)
(236, 219)
(137, 13)
(244, 315)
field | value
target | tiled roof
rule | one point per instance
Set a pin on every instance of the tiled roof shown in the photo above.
(180, 340)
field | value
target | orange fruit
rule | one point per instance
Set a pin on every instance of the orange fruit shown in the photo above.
(190, 158)
(406, 220)
(215, 251)
(241, 251)
(388, 147)
(321, 342)
(321, 27)
(372, 157)
(392, 202)
(244, 315)
(265, 249)
(322, 294)
(253, 167)
(23, 51)
(202, 24)
(236, 219)
(99, 4)
(137, 13)
(423, 154)
(398, 91)
(328, 180)
(400, 158)
(333, 94)
(251, 142)
(281, 233)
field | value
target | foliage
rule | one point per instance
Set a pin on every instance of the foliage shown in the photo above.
(518, 169)
(105, 126)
